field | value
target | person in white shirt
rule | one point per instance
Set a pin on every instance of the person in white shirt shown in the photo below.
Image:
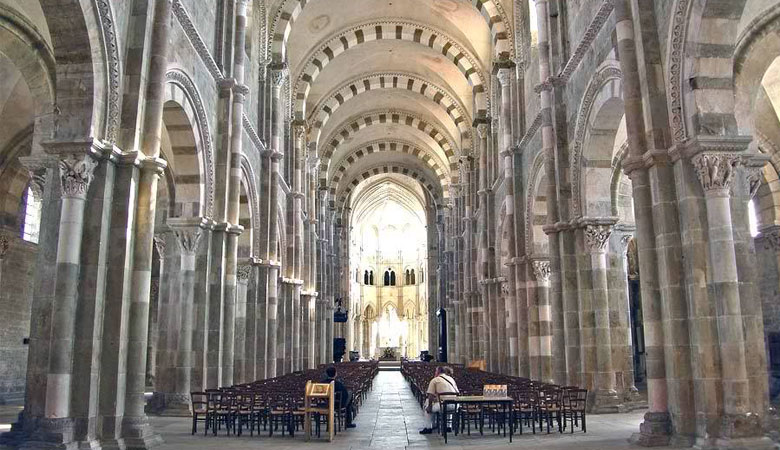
(441, 384)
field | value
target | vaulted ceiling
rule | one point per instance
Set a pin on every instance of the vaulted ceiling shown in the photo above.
(390, 88)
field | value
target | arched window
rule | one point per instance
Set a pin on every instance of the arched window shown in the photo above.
(365, 278)
(411, 277)
(407, 278)
(421, 276)
(392, 277)
(31, 224)
(371, 278)
(387, 278)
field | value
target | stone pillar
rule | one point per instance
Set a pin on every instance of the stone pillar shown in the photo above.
(240, 360)
(543, 316)
(620, 316)
(486, 331)
(57, 424)
(605, 399)
(188, 234)
(279, 75)
(715, 172)
(251, 349)
(154, 307)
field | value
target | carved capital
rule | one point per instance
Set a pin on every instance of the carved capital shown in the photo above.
(279, 74)
(771, 238)
(624, 240)
(159, 244)
(541, 271)
(4, 245)
(243, 271)
(504, 77)
(188, 239)
(753, 180)
(596, 237)
(715, 171)
(482, 130)
(76, 174)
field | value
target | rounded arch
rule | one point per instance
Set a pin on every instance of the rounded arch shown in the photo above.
(182, 91)
(424, 180)
(356, 86)
(250, 213)
(536, 207)
(398, 146)
(603, 96)
(491, 10)
(406, 118)
(407, 31)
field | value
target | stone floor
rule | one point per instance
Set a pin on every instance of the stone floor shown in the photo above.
(390, 419)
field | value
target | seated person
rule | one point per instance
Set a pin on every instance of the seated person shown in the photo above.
(441, 384)
(341, 394)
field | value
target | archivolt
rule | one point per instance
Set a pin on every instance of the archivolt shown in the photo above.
(391, 30)
(248, 174)
(386, 146)
(419, 176)
(491, 10)
(353, 88)
(605, 75)
(335, 139)
(186, 87)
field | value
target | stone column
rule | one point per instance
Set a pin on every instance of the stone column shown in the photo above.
(188, 234)
(620, 322)
(4, 244)
(151, 347)
(650, 211)
(279, 75)
(716, 171)
(76, 174)
(472, 342)
(596, 236)
(251, 350)
(486, 331)
(541, 270)
(240, 362)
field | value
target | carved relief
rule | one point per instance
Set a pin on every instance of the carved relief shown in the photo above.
(76, 174)
(771, 239)
(195, 39)
(715, 170)
(678, 31)
(587, 40)
(596, 237)
(632, 255)
(753, 179)
(279, 75)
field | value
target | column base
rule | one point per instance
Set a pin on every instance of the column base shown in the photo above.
(654, 431)
(606, 402)
(138, 434)
(170, 405)
(633, 400)
(50, 434)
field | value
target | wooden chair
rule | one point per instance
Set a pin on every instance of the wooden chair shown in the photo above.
(574, 402)
(200, 410)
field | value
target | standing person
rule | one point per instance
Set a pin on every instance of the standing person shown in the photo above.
(343, 395)
(441, 384)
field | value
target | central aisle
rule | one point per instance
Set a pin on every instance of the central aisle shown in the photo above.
(390, 416)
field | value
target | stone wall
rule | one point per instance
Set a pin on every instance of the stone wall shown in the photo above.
(16, 272)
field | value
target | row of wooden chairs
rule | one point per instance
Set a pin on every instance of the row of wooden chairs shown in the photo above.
(535, 404)
(276, 404)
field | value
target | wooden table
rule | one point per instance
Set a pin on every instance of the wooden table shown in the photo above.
(504, 402)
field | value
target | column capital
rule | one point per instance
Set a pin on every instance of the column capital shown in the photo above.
(542, 270)
(279, 74)
(715, 171)
(159, 244)
(482, 130)
(504, 75)
(243, 271)
(76, 174)
(770, 236)
(188, 232)
(38, 167)
(4, 245)
(596, 232)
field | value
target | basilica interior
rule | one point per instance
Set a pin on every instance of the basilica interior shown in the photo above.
(202, 193)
